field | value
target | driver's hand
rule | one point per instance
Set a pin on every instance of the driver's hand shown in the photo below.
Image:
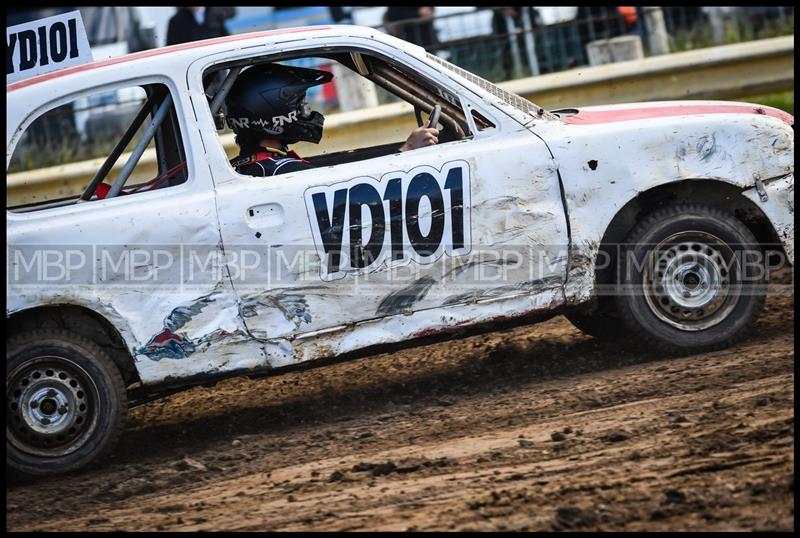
(421, 137)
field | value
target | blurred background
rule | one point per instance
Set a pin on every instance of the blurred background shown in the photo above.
(497, 43)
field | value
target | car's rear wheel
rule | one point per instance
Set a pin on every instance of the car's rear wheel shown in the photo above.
(693, 279)
(66, 403)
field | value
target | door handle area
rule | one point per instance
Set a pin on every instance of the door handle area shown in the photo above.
(266, 215)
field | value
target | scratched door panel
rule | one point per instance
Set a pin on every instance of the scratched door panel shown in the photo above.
(430, 228)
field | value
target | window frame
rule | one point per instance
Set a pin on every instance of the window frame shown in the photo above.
(71, 202)
(202, 68)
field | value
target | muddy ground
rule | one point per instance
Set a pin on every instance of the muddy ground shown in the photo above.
(536, 428)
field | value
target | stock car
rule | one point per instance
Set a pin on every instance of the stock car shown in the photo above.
(648, 220)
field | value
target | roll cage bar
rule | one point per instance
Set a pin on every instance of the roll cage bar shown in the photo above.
(382, 72)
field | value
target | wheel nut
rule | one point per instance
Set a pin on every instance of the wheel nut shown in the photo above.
(45, 421)
(62, 410)
(34, 404)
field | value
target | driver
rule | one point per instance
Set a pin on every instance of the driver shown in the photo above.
(267, 109)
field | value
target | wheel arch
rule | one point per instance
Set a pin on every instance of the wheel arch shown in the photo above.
(715, 193)
(83, 321)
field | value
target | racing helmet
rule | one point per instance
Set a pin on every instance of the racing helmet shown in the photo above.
(268, 101)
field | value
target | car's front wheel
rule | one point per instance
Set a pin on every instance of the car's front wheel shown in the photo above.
(693, 278)
(66, 402)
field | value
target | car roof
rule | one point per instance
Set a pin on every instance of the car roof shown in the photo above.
(207, 46)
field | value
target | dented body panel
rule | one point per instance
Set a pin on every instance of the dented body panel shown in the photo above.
(611, 159)
(500, 225)
(776, 199)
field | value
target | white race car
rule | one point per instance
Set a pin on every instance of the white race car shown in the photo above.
(654, 220)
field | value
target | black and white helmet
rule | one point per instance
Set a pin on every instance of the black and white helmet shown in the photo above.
(268, 101)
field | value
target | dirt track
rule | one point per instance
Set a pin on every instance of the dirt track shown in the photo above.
(539, 428)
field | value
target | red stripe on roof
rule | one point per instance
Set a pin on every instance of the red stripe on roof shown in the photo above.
(155, 52)
(590, 117)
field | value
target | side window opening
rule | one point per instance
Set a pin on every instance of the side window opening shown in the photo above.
(390, 81)
(481, 123)
(95, 141)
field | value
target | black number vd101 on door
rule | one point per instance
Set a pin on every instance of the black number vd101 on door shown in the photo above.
(362, 224)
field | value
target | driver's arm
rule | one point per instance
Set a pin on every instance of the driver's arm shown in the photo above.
(421, 137)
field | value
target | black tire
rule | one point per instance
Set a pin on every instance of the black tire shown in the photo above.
(66, 403)
(698, 281)
(604, 323)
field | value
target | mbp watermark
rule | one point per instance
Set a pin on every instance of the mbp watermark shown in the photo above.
(610, 270)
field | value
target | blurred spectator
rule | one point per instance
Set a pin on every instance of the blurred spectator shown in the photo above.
(629, 15)
(341, 15)
(195, 23)
(600, 22)
(761, 17)
(421, 33)
(500, 27)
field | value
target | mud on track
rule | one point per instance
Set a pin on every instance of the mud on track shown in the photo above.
(536, 428)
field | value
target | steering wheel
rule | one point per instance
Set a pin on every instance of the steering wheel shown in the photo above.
(433, 119)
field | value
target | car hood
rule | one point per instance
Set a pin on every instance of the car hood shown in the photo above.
(592, 115)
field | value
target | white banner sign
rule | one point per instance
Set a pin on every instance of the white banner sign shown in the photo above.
(46, 45)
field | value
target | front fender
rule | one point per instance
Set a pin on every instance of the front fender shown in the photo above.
(605, 166)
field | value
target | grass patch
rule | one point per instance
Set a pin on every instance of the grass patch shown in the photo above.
(735, 30)
(783, 101)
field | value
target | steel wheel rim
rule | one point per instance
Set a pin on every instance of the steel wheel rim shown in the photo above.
(51, 406)
(692, 280)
